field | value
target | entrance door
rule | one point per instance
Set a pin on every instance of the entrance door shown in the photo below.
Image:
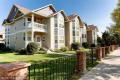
(38, 40)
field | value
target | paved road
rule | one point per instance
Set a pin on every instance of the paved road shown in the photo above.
(108, 69)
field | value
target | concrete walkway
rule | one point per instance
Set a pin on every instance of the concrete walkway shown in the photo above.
(108, 69)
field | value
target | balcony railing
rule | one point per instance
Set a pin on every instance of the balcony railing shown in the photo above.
(37, 26)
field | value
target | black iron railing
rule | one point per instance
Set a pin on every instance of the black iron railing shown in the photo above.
(91, 59)
(59, 69)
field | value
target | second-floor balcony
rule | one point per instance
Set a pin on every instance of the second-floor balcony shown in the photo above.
(37, 26)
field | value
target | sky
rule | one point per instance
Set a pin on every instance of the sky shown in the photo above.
(97, 12)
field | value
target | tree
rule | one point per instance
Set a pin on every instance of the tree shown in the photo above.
(106, 39)
(115, 28)
(99, 40)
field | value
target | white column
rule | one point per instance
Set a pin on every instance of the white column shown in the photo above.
(32, 32)
(26, 39)
(26, 22)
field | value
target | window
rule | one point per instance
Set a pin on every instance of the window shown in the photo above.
(24, 36)
(73, 39)
(8, 41)
(85, 36)
(55, 24)
(61, 41)
(61, 26)
(38, 39)
(55, 21)
(43, 38)
(15, 28)
(1, 36)
(73, 33)
(28, 19)
(24, 22)
(77, 33)
(29, 38)
(56, 41)
(73, 24)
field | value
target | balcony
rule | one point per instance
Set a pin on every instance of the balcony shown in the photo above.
(37, 26)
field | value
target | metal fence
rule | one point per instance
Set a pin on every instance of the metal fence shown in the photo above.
(91, 58)
(59, 69)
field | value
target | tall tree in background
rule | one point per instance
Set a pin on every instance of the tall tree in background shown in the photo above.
(115, 28)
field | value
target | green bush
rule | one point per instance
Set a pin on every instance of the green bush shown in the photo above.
(32, 48)
(7, 49)
(2, 46)
(75, 45)
(42, 49)
(64, 49)
(22, 51)
(85, 45)
(93, 45)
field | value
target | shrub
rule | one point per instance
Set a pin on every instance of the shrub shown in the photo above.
(22, 51)
(32, 48)
(42, 49)
(63, 49)
(2, 46)
(93, 45)
(75, 45)
(7, 49)
(85, 45)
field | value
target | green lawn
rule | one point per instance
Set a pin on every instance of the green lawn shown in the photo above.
(10, 57)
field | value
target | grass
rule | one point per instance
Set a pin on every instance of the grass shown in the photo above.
(70, 52)
(6, 57)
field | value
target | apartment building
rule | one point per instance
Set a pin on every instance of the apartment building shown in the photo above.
(92, 34)
(49, 28)
(73, 30)
(83, 31)
(45, 26)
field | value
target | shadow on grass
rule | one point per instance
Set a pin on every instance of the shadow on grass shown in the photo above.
(5, 52)
(54, 55)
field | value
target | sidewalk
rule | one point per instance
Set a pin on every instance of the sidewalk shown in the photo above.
(108, 69)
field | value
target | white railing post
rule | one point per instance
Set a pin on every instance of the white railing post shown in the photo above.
(32, 34)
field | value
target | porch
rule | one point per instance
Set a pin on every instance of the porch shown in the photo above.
(37, 37)
(36, 22)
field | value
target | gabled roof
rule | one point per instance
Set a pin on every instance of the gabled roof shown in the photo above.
(22, 9)
(61, 11)
(50, 5)
(73, 16)
(92, 27)
(45, 11)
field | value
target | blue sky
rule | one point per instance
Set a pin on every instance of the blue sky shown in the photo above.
(95, 12)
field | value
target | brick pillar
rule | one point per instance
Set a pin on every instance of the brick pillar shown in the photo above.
(111, 48)
(14, 71)
(103, 52)
(107, 50)
(116, 47)
(81, 61)
(99, 53)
